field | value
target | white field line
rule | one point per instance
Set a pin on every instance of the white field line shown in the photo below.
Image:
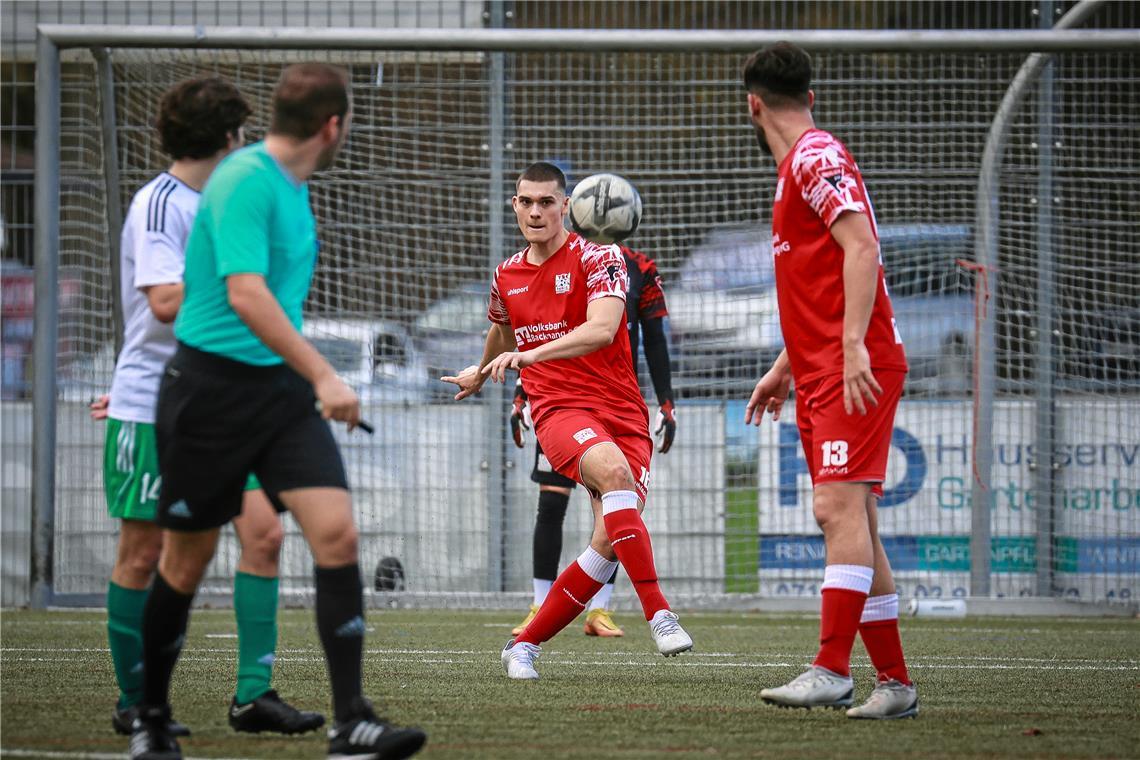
(474, 657)
(407, 652)
(16, 752)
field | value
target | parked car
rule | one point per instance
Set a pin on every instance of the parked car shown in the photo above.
(725, 317)
(450, 334)
(375, 357)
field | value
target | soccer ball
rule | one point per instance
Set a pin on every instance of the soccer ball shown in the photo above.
(605, 208)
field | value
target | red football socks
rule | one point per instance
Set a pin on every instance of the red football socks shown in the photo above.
(571, 592)
(630, 540)
(879, 630)
(845, 590)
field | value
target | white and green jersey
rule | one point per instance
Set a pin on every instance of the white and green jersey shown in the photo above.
(153, 252)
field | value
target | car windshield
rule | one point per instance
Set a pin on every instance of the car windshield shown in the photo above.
(922, 259)
(731, 260)
(464, 313)
(342, 354)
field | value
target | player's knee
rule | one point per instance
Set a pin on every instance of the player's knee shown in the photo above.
(552, 508)
(336, 545)
(184, 574)
(139, 563)
(614, 476)
(261, 550)
(138, 554)
(830, 510)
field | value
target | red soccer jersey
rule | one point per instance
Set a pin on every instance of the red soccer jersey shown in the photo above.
(819, 181)
(545, 302)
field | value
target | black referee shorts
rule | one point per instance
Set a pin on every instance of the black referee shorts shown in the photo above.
(544, 474)
(219, 420)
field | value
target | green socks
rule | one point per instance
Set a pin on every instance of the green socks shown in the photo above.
(255, 607)
(124, 635)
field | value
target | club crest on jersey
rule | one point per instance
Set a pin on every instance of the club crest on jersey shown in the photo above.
(584, 435)
(562, 283)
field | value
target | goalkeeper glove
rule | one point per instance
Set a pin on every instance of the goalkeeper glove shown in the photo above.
(665, 426)
(520, 415)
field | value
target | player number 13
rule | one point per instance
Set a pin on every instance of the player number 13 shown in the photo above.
(834, 453)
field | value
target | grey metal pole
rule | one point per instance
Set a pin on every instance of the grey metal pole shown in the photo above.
(594, 40)
(496, 420)
(46, 336)
(111, 186)
(986, 257)
(1045, 412)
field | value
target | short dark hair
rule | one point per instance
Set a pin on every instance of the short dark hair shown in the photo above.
(306, 97)
(542, 171)
(196, 117)
(779, 74)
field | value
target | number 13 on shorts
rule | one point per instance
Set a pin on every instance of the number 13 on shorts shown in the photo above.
(834, 453)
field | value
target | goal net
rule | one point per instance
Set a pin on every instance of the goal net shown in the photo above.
(407, 219)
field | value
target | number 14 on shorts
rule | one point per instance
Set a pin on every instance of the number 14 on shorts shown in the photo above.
(150, 488)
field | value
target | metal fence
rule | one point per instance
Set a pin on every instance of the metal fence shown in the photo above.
(415, 215)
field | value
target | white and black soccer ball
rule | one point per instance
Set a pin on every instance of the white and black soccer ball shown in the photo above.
(605, 208)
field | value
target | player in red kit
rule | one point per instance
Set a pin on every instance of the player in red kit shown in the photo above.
(645, 314)
(556, 312)
(846, 357)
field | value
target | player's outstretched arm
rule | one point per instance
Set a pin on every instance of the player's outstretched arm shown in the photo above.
(500, 339)
(603, 317)
(255, 304)
(771, 391)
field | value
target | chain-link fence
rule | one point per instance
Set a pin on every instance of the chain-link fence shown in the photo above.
(415, 214)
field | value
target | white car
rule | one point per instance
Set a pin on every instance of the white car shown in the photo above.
(375, 357)
(725, 320)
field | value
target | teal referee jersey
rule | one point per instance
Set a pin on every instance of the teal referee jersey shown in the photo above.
(253, 218)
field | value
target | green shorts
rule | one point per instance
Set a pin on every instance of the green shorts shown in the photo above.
(130, 471)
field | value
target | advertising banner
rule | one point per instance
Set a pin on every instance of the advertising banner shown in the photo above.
(925, 512)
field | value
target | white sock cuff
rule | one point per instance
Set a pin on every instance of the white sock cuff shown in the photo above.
(876, 608)
(614, 501)
(850, 577)
(541, 589)
(595, 565)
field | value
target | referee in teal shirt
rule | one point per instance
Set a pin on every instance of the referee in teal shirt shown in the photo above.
(245, 392)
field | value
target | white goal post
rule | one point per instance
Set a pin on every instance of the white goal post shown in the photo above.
(1031, 345)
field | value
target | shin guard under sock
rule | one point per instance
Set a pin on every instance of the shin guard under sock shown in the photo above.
(630, 539)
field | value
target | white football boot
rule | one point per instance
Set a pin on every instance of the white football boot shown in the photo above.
(668, 634)
(518, 660)
(815, 687)
(890, 700)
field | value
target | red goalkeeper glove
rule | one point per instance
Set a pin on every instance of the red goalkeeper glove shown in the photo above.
(520, 416)
(665, 427)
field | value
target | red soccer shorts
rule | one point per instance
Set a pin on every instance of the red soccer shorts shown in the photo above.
(567, 434)
(847, 448)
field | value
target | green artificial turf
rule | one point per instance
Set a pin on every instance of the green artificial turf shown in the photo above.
(990, 687)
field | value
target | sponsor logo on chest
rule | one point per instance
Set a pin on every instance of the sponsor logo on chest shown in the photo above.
(517, 291)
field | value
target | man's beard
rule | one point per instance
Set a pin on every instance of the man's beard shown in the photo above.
(760, 138)
(327, 157)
